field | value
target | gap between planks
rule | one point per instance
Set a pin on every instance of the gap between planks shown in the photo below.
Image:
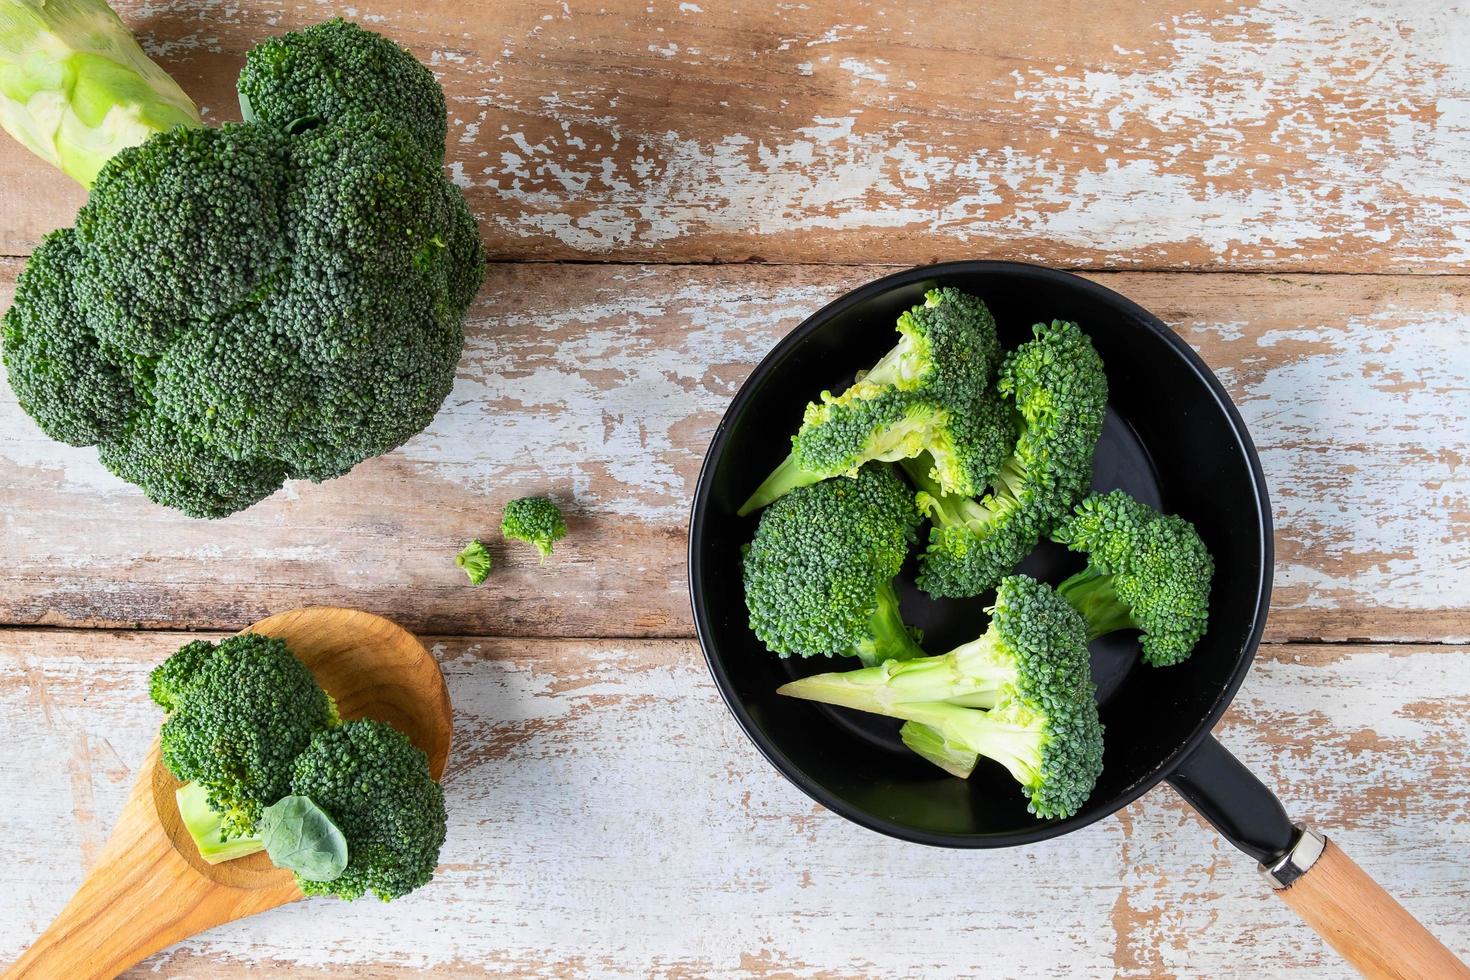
(428, 636)
(1081, 270)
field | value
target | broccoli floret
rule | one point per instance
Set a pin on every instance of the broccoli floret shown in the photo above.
(931, 393)
(178, 470)
(1020, 695)
(170, 679)
(1057, 392)
(75, 87)
(819, 574)
(78, 390)
(243, 305)
(475, 559)
(534, 520)
(181, 229)
(377, 788)
(1145, 571)
(335, 69)
(239, 713)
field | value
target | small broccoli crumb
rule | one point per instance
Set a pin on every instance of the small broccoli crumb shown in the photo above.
(475, 559)
(534, 520)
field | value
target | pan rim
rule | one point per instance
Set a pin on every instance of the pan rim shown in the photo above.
(704, 629)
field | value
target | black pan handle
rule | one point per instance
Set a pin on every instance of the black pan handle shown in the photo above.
(1234, 801)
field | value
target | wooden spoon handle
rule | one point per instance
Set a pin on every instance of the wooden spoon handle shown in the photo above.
(1363, 922)
(143, 896)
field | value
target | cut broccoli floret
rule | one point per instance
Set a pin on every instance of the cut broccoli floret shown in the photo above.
(376, 786)
(475, 559)
(1056, 386)
(335, 69)
(239, 712)
(1020, 695)
(534, 520)
(819, 574)
(931, 393)
(1145, 571)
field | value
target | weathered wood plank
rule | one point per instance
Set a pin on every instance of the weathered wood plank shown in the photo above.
(1225, 134)
(608, 818)
(602, 386)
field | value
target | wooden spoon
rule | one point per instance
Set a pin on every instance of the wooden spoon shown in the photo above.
(151, 889)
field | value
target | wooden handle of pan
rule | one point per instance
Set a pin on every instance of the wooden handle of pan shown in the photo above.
(1363, 922)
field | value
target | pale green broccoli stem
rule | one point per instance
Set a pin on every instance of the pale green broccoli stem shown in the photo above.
(933, 746)
(953, 510)
(977, 674)
(1091, 592)
(1014, 739)
(75, 87)
(206, 826)
(789, 476)
(889, 637)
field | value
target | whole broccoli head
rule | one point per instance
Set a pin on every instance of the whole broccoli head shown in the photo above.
(534, 520)
(930, 393)
(336, 69)
(1020, 695)
(247, 304)
(239, 713)
(819, 574)
(376, 786)
(1056, 391)
(1145, 571)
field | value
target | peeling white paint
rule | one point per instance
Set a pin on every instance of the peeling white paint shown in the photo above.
(1278, 133)
(693, 855)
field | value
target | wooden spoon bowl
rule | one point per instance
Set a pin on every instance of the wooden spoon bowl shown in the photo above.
(151, 888)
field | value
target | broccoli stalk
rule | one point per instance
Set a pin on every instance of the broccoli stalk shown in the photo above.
(1021, 695)
(206, 826)
(1056, 396)
(819, 573)
(1145, 570)
(931, 392)
(887, 637)
(1094, 593)
(75, 87)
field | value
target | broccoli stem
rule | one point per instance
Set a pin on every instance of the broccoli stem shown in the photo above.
(783, 479)
(973, 675)
(956, 730)
(951, 510)
(75, 87)
(889, 637)
(932, 745)
(1091, 593)
(206, 825)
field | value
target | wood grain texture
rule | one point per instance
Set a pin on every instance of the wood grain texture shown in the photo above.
(1365, 924)
(151, 889)
(602, 386)
(608, 818)
(1282, 134)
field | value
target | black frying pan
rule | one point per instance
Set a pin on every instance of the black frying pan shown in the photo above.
(1173, 439)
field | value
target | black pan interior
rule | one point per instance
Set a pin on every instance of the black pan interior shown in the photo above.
(1171, 439)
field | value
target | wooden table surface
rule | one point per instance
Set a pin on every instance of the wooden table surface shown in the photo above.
(665, 189)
